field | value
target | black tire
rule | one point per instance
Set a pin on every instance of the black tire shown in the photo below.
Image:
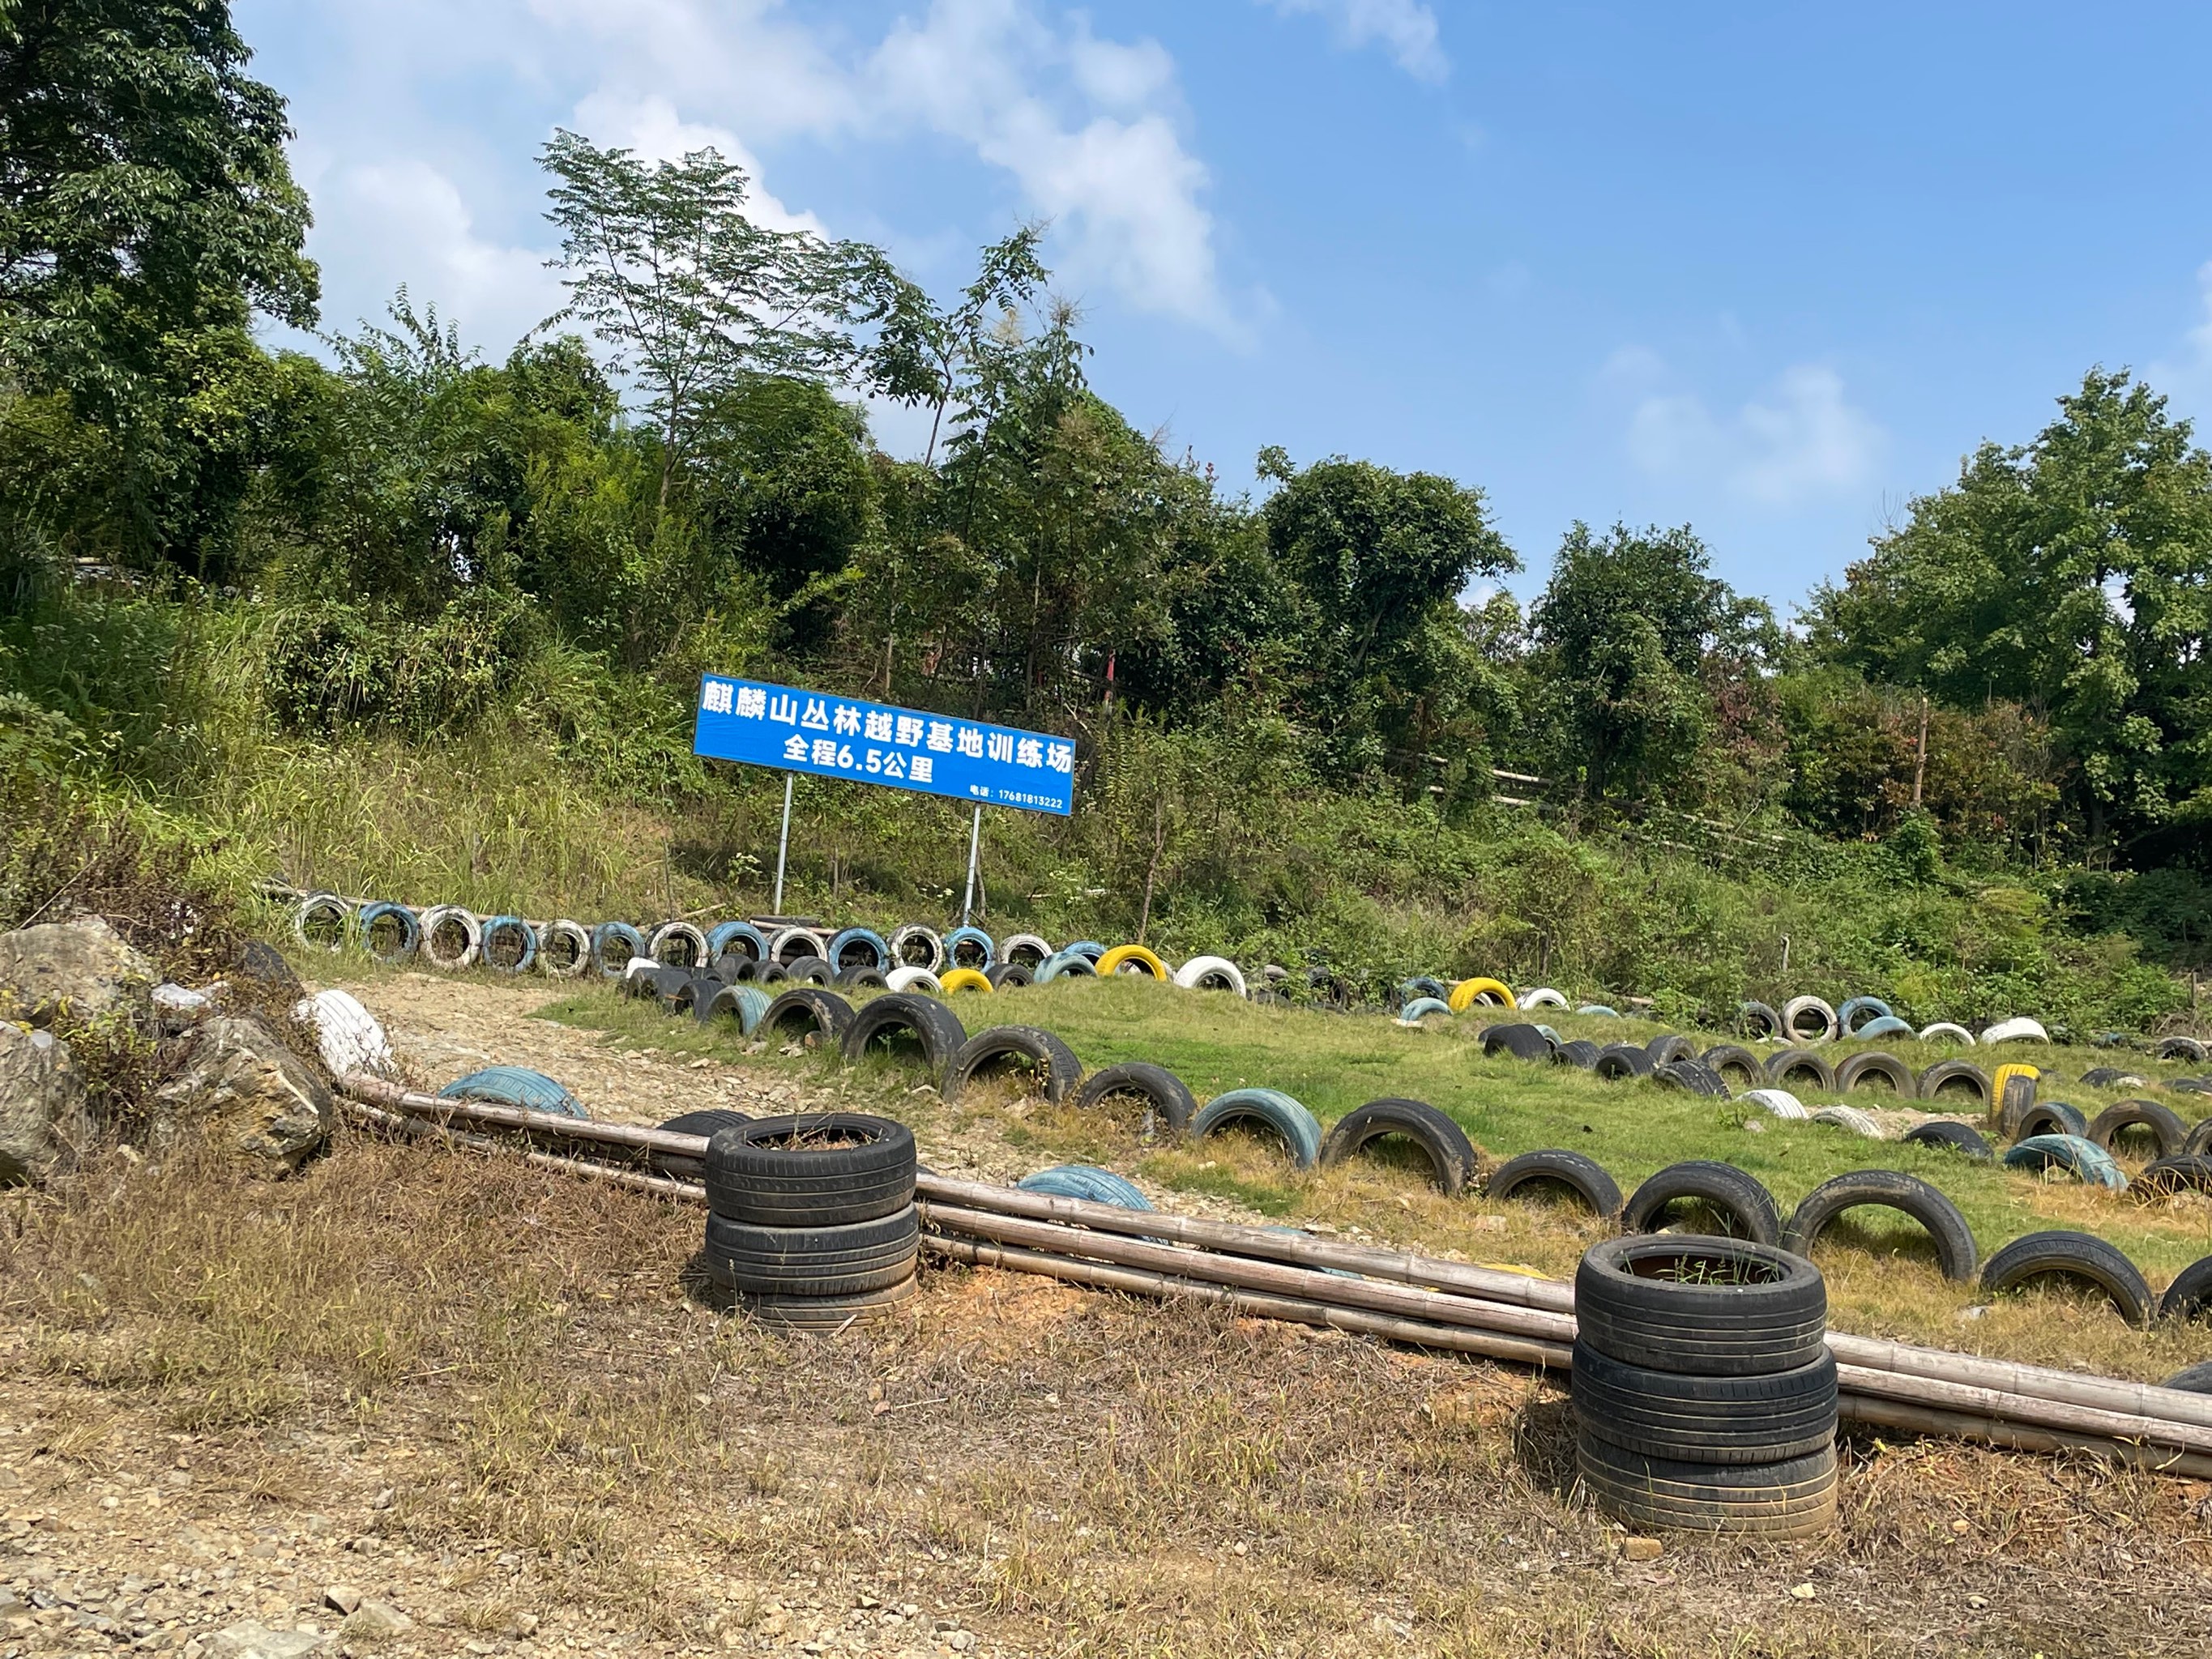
(1622, 1060)
(735, 967)
(712, 1121)
(1768, 1418)
(1165, 1093)
(1580, 1054)
(930, 1022)
(661, 984)
(816, 1017)
(1956, 1137)
(1005, 975)
(2192, 1379)
(2041, 1118)
(1876, 1062)
(828, 1315)
(2190, 1295)
(2163, 1123)
(2016, 1096)
(1518, 1038)
(1956, 1249)
(2080, 1257)
(2180, 1048)
(1721, 1188)
(1444, 1144)
(1713, 1307)
(863, 979)
(1787, 1064)
(1670, 1045)
(1691, 1075)
(1537, 1171)
(844, 1260)
(2163, 1178)
(1756, 1020)
(2200, 1139)
(1045, 1052)
(810, 970)
(1792, 1499)
(769, 973)
(755, 1175)
(1952, 1078)
(1736, 1065)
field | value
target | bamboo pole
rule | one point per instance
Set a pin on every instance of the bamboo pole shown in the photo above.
(413, 1128)
(1549, 1356)
(1884, 1413)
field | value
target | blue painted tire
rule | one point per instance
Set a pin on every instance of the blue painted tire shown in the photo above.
(1424, 986)
(960, 936)
(496, 927)
(410, 930)
(2085, 1160)
(869, 936)
(1090, 948)
(1066, 963)
(515, 1086)
(608, 935)
(724, 936)
(1085, 1181)
(1598, 1010)
(1275, 1111)
(743, 1003)
(1857, 1005)
(1887, 1025)
(1421, 1007)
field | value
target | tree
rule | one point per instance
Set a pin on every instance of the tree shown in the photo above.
(2072, 574)
(690, 294)
(1623, 631)
(940, 358)
(146, 210)
(1375, 559)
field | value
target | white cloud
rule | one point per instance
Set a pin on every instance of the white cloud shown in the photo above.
(1404, 28)
(651, 126)
(1804, 440)
(404, 221)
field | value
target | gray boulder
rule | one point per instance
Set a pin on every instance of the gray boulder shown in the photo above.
(85, 967)
(251, 1092)
(42, 1112)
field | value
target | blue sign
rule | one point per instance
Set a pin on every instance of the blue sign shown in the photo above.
(873, 743)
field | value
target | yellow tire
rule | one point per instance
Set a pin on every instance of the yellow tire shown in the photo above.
(1125, 955)
(1468, 991)
(2004, 1074)
(964, 979)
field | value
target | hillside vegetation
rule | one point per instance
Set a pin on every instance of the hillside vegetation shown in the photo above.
(402, 621)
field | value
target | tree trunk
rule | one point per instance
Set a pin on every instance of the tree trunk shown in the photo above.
(1152, 868)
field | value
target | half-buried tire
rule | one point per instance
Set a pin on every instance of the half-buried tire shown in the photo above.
(2078, 1258)
(1443, 1142)
(1891, 1189)
(1167, 1101)
(1052, 1061)
(887, 1022)
(1535, 1174)
(1745, 1208)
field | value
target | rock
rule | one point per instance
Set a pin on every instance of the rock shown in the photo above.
(345, 1597)
(252, 1091)
(42, 1113)
(376, 1621)
(1643, 1549)
(250, 1640)
(83, 967)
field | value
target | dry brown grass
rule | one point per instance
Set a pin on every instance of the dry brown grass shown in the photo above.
(514, 1354)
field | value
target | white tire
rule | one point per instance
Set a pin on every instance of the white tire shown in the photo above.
(1543, 997)
(346, 1034)
(1015, 946)
(1849, 1117)
(327, 910)
(928, 938)
(672, 931)
(1780, 1102)
(2015, 1030)
(1211, 974)
(573, 933)
(913, 978)
(436, 948)
(1944, 1031)
(1799, 1006)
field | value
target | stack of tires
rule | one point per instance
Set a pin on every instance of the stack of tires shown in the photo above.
(811, 1219)
(1704, 1395)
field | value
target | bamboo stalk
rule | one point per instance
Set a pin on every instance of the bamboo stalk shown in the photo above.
(2110, 1394)
(1885, 1413)
(1945, 1394)
(414, 1128)
(1432, 1307)
(390, 1095)
(1102, 1276)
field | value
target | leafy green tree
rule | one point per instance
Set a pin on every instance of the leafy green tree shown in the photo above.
(146, 210)
(2072, 574)
(1623, 632)
(939, 359)
(1375, 560)
(690, 294)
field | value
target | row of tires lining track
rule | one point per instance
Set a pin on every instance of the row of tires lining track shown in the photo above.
(815, 1015)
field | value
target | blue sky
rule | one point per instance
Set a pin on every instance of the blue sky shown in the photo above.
(1767, 271)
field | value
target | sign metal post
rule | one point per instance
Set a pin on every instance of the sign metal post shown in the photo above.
(783, 845)
(974, 846)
